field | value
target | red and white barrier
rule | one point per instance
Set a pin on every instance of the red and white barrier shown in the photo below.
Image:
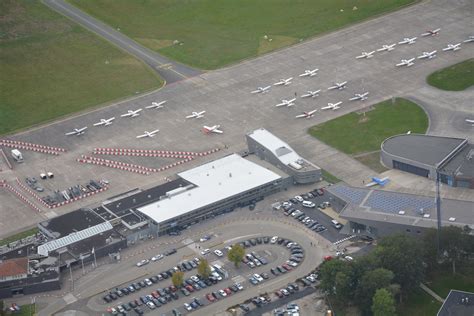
(137, 152)
(104, 188)
(177, 163)
(33, 193)
(6, 159)
(8, 142)
(119, 163)
(21, 196)
(112, 165)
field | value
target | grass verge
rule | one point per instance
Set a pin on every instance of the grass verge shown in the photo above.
(52, 67)
(328, 177)
(209, 34)
(419, 303)
(19, 236)
(457, 77)
(372, 160)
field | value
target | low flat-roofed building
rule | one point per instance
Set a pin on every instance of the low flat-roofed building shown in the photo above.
(458, 303)
(218, 186)
(424, 154)
(272, 149)
(379, 212)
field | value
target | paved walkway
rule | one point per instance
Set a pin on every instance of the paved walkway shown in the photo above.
(430, 292)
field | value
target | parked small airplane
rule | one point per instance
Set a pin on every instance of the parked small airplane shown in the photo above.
(148, 134)
(366, 55)
(470, 121)
(311, 94)
(309, 73)
(406, 62)
(105, 122)
(469, 40)
(77, 131)
(387, 47)
(338, 86)
(360, 96)
(332, 106)
(453, 47)
(156, 105)
(428, 55)
(212, 129)
(286, 102)
(408, 40)
(196, 114)
(431, 32)
(132, 113)
(378, 181)
(309, 114)
(261, 89)
(283, 82)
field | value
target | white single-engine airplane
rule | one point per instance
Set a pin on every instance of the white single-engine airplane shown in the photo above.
(283, 82)
(286, 102)
(406, 62)
(156, 105)
(105, 122)
(408, 40)
(338, 86)
(309, 73)
(428, 55)
(311, 94)
(148, 134)
(470, 39)
(431, 32)
(378, 181)
(332, 106)
(132, 113)
(453, 47)
(261, 89)
(309, 114)
(212, 129)
(196, 115)
(387, 47)
(366, 55)
(77, 131)
(360, 96)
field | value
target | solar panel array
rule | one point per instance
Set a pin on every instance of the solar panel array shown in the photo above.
(392, 202)
(351, 195)
(46, 248)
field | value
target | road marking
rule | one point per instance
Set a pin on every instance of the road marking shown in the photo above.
(240, 237)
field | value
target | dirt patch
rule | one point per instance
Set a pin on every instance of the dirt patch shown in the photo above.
(363, 119)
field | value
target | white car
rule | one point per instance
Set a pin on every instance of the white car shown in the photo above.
(157, 257)
(205, 238)
(299, 198)
(195, 278)
(239, 286)
(148, 282)
(188, 307)
(150, 305)
(205, 252)
(274, 239)
(222, 293)
(218, 253)
(142, 262)
(258, 277)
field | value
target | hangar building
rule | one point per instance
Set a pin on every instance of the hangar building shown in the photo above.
(424, 154)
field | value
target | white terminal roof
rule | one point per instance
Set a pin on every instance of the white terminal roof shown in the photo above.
(279, 148)
(215, 181)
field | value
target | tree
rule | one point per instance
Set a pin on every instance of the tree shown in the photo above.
(337, 277)
(236, 254)
(370, 282)
(383, 303)
(177, 278)
(203, 268)
(402, 255)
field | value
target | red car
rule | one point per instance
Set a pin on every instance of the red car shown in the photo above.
(189, 288)
(210, 297)
(287, 267)
(279, 294)
(155, 294)
(327, 258)
(173, 288)
(228, 291)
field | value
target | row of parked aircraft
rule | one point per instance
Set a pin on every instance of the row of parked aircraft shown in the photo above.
(428, 55)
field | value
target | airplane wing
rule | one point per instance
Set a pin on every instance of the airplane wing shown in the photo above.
(99, 123)
(304, 74)
(301, 115)
(469, 121)
(255, 91)
(191, 116)
(141, 136)
(327, 107)
(71, 133)
(371, 184)
(354, 98)
(126, 114)
(155, 131)
(218, 131)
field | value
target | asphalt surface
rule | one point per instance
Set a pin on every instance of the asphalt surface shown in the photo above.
(168, 69)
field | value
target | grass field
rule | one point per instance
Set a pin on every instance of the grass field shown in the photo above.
(419, 303)
(443, 281)
(457, 77)
(356, 133)
(372, 160)
(216, 33)
(51, 67)
(19, 236)
(329, 177)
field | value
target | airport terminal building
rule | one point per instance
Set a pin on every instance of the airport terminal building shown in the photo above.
(424, 154)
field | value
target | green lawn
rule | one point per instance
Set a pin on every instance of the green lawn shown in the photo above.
(457, 77)
(443, 281)
(51, 67)
(372, 160)
(329, 177)
(19, 236)
(216, 33)
(420, 304)
(356, 133)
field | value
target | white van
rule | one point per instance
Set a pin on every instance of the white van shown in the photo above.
(308, 204)
(336, 224)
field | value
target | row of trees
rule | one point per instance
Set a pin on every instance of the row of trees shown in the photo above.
(235, 255)
(395, 268)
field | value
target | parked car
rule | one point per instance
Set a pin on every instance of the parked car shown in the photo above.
(142, 262)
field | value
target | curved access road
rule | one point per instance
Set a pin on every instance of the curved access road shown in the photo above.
(171, 71)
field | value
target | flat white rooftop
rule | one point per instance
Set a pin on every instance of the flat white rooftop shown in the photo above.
(215, 181)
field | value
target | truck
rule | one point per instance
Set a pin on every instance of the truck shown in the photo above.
(16, 154)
